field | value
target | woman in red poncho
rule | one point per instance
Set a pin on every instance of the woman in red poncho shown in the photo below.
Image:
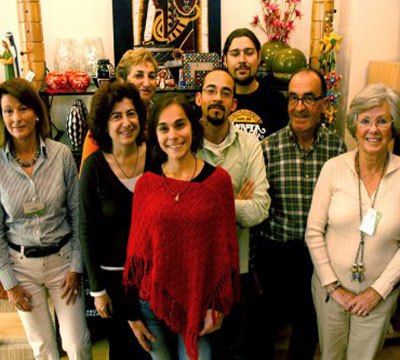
(182, 253)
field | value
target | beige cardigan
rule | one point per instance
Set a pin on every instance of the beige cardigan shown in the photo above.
(333, 233)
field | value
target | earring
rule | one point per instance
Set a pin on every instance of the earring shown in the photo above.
(37, 119)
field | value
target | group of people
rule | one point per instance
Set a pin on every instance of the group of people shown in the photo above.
(201, 236)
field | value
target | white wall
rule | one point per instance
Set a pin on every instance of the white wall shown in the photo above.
(371, 31)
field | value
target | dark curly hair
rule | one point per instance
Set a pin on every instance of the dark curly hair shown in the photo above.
(158, 156)
(26, 94)
(102, 104)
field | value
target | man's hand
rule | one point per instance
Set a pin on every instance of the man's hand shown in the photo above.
(246, 192)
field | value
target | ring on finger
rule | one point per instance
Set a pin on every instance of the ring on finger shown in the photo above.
(76, 292)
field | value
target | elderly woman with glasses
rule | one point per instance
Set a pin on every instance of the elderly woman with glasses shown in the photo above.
(353, 232)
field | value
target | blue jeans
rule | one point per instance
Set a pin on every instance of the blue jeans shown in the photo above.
(167, 343)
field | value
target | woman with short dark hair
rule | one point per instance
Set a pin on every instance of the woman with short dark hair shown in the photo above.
(40, 252)
(182, 253)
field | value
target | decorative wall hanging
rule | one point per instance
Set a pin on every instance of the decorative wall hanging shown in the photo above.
(196, 66)
(329, 46)
(189, 25)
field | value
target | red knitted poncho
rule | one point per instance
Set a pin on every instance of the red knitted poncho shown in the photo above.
(183, 256)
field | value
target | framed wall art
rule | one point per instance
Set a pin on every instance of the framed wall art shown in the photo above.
(193, 26)
(196, 66)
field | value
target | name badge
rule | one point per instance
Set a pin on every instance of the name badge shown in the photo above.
(33, 207)
(370, 221)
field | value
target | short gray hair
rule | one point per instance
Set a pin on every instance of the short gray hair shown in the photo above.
(371, 96)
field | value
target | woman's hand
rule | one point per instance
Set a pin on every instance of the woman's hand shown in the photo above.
(72, 286)
(342, 297)
(103, 305)
(142, 334)
(246, 191)
(209, 325)
(20, 298)
(364, 303)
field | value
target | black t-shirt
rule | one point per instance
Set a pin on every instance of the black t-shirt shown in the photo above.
(260, 113)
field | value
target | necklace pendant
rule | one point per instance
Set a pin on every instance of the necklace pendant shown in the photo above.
(357, 276)
(177, 197)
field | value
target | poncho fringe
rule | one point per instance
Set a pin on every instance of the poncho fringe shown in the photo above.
(168, 309)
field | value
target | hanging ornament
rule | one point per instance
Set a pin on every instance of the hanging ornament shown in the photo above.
(329, 44)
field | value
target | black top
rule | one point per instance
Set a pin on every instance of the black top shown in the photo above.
(105, 210)
(262, 112)
(205, 172)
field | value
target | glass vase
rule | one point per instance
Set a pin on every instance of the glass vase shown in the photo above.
(91, 50)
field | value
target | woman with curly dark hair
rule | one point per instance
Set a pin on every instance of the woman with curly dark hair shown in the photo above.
(107, 186)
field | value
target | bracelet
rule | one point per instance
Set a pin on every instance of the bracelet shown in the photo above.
(336, 285)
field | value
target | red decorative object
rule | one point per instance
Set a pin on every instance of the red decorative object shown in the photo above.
(79, 80)
(70, 73)
(278, 18)
(56, 81)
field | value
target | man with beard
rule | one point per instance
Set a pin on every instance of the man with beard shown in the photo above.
(240, 154)
(294, 157)
(260, 110)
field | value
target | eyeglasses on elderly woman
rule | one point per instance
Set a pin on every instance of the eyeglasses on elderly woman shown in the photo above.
(380, 123)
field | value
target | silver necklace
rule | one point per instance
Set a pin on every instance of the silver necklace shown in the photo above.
(177, 195)
(134, 166)
(26, 164)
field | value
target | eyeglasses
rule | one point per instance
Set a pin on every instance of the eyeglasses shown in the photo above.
(380, 123)
(308, 100)
(225, 93)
